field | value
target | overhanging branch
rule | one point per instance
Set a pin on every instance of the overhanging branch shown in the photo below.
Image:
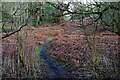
(7, 35)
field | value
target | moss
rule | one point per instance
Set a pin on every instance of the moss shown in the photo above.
(37, 50)
(50, 39)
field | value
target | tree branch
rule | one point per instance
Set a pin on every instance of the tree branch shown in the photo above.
(7, 20)
(111, 30)
(17, 30)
